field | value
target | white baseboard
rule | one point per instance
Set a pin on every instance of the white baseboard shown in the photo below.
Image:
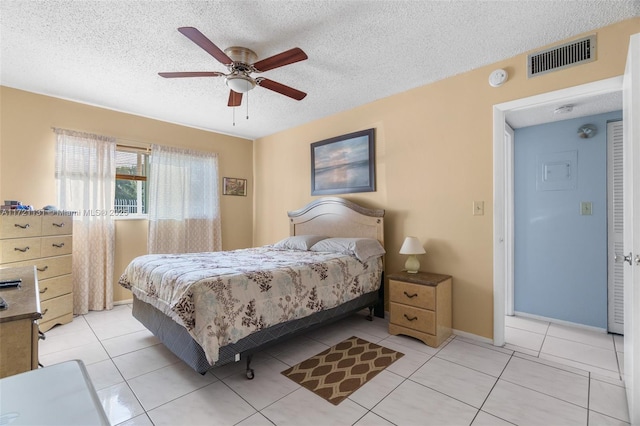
(561, 322)
(123, 302)
(472, 336)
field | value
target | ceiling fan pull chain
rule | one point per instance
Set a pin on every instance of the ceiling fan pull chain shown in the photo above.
(234, 116)
(247, 105)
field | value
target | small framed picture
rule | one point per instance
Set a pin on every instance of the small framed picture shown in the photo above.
(234, 186)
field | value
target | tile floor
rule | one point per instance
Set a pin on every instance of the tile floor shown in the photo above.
(593, 351)
(463, 382)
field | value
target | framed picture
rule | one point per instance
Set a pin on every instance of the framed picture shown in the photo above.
(234, 186)
(344, 164)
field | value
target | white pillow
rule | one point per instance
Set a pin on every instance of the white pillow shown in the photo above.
(298, 242)
(362, 248)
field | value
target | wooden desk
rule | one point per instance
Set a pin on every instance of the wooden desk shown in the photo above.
(18, 326)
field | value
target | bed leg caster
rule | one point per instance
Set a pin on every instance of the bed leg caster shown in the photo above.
(370, 316)
(250, 373)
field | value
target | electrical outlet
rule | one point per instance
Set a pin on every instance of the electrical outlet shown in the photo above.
(478, 208)
(586, 208)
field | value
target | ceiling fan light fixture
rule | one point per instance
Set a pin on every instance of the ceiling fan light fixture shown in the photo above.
(240, 83)
(587, 131)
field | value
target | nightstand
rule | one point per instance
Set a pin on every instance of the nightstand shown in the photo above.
(420, 306)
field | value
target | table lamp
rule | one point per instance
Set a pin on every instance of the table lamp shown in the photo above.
(412, 246)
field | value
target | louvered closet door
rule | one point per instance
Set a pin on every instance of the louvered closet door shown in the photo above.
(615, 227)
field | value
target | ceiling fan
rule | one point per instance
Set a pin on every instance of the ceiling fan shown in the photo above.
(241, 63)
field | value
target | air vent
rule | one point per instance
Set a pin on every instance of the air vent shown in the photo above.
(563, 56)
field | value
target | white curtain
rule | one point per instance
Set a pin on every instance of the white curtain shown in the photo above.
(85, 177)
(184, 204)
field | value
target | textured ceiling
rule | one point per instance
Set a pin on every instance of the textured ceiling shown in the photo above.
(108, 53)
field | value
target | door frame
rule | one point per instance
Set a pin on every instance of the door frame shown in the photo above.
(631, 141)
(503, 196)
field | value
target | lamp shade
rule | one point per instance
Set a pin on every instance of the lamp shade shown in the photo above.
(412, 245)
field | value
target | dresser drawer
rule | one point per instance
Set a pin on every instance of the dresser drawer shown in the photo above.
(48, 267)
(56, 307)
(20, 226)
(421, 296)
(56, 246)
(53, 224)
(413, 318)
(53, 266)
(54, 287)
(19, 249)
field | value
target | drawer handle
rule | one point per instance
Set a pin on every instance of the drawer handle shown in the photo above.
(44, 290)
(59, 225)
(21, 226)
(42, 269)
(22, 249)
(45, 312)
(410, 319)
(410, 296)
(58, 245)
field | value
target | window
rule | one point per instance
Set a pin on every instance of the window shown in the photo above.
(184, 206)
(132, 166)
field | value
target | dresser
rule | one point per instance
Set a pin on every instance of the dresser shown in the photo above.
(43, 239)
(420, 306)
(18, 326)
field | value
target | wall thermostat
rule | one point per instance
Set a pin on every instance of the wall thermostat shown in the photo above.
(498, 77)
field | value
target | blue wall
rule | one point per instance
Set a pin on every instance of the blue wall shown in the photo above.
(561, 255)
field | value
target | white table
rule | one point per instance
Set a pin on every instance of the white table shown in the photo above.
(60, 394)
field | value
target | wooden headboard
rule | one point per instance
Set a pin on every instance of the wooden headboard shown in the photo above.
(337, 217)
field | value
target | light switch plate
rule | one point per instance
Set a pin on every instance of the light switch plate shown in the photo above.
(478, 208)
(586, 208)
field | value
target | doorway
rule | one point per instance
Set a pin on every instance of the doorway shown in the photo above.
(503, 201)
(503, 183)
(560, 214)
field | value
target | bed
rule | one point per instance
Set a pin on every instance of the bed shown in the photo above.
(210, 309)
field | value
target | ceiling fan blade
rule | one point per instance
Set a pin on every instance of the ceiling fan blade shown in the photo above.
(190, 74)
(235, 99)
(281, 88)
(201, 40)
(281, 59)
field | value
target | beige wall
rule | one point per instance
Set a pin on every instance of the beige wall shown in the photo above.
(434, 158)
(27, 161)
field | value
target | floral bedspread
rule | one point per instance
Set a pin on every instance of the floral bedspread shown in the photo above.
(221, 297)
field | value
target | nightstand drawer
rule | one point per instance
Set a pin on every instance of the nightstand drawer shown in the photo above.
(414, 318)
(421, 296)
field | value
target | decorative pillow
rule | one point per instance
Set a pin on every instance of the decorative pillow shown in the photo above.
(362, 248)
(299, 242)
